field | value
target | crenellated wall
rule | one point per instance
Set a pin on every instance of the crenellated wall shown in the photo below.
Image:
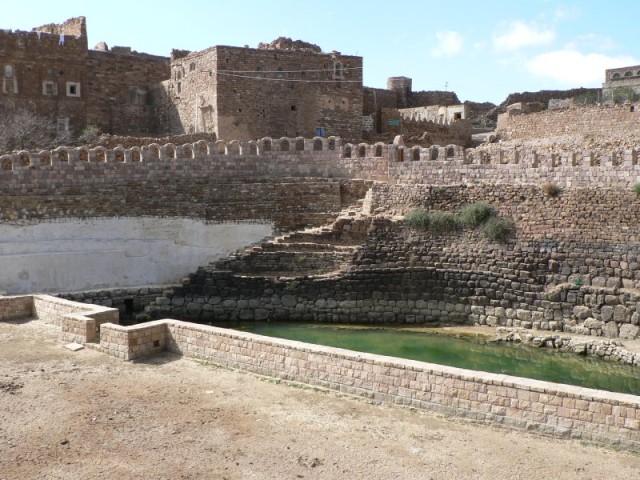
(329, 158)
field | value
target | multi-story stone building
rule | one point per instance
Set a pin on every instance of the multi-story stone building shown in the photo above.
(281, 89)
(51, 72)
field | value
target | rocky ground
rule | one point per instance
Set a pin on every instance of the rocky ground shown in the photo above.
(72, 415)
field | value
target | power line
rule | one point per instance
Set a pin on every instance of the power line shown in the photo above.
(292, 71)
(287, 79)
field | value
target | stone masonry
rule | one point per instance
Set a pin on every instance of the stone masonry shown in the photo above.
(517, 403)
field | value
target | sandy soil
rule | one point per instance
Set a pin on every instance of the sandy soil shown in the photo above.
(83, 415)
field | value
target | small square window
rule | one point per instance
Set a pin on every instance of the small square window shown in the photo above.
(49, 89)
(73, 89)
(63, 125)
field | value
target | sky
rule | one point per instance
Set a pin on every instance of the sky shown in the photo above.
(482, 50)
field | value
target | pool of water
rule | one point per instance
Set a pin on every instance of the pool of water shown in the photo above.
(464, 352)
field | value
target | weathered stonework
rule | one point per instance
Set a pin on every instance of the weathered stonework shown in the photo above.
(51, 72)
(552, 409)
(607, 121)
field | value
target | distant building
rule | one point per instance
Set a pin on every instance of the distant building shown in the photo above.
(620, 83)
(51, 72)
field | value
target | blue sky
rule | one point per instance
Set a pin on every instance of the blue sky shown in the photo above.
(481, 50)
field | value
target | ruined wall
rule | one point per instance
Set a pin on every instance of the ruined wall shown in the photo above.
(248, 93)
(424, 127)
(543, 96)
(45, 72)
(432, 97)
(118, 88)
(377, 98)
(601, 121)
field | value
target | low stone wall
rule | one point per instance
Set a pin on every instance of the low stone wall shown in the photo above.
(554, 409)
(78, 322)
(14, 308)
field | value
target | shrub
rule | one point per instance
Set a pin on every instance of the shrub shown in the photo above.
(443, 222)
(497, 229)
(24, 130)
(551, 189)
(89, 135)
(417, 219)
(636, 188)
(476, 214)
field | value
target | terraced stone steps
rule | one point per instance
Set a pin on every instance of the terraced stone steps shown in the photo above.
(309, 252)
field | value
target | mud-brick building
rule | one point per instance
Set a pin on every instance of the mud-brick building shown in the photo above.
(51, 72)
(286, 88)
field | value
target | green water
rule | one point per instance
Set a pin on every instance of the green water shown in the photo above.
(463, 352)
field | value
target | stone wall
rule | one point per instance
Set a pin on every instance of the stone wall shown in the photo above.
(608, 121)
(544, 96)
(572, 265)
(552, 409)
(119, 90)
(289, 187)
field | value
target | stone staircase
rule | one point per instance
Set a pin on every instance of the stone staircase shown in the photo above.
(310, 252)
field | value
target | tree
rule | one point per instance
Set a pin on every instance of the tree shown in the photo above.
(24, 130)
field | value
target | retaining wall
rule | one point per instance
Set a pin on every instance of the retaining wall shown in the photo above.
(513, 402)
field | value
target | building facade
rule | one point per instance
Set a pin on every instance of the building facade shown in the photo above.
(279, 90)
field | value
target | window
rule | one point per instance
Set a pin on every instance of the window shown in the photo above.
(280, 72)
(49, 89)
(9, 82)
(337, 70)
(192, 67)
(62, 125)
(73, 89)
(293, 108)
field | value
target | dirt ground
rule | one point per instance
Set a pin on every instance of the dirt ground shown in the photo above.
(84, 415)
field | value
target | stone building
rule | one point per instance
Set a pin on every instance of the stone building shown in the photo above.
(620, 83)
(51, 72)
(281, 89)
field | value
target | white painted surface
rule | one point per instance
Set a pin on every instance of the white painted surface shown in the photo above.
(73, 254)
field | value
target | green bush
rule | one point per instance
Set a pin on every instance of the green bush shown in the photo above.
(498, 229)
(551, 189)
(636, 188)
(476, 214)
(89, 136)
(417, 219)
(443, 222)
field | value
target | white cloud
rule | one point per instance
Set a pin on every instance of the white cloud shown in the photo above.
(591, 41)
(564, 12)
(519, 34)
(573, 68)
(449, 44)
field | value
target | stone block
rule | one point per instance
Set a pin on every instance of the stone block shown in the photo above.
(581, 312)
(610, 330)
(629, 332)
